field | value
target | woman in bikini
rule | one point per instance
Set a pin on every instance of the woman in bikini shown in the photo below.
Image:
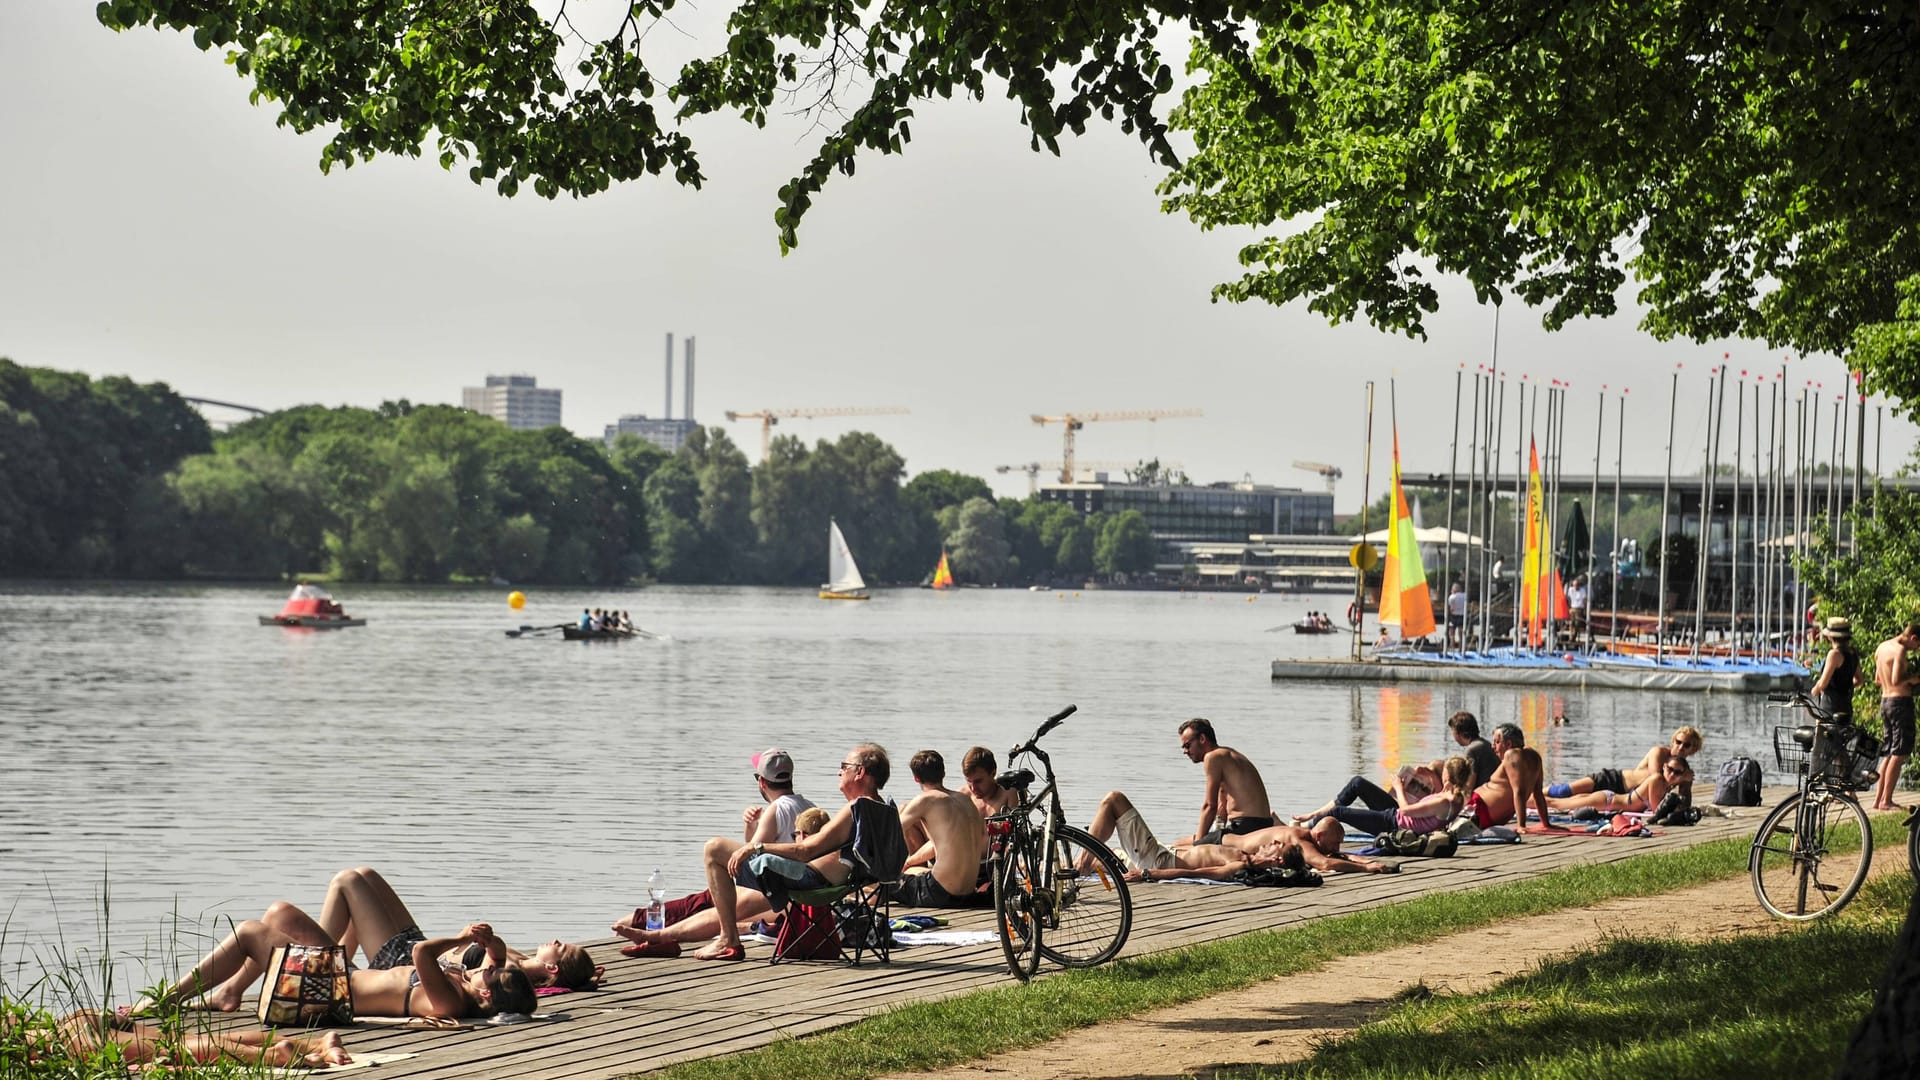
(422, 986)
(1646, 796)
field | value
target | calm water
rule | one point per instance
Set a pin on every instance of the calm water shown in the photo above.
(167, 763)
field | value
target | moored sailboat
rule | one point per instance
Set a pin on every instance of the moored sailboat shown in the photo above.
(843, 574)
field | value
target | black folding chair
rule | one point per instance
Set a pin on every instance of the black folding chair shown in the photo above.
(862, 906)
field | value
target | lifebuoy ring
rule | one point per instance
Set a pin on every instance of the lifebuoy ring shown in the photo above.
(1353, 612)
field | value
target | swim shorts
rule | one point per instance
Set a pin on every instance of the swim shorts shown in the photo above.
(1896, 717)
(398, 951)
(1609, 780)
(924, 890)
(1239, 826)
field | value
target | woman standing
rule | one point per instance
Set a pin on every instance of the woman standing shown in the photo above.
(1841, 672)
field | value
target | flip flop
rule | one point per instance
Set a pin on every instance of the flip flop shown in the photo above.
(730, 952)
(652, 948)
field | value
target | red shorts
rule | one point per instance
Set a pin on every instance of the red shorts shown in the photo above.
(1482, 814)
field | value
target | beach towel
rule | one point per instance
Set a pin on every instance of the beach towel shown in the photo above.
(945, 937)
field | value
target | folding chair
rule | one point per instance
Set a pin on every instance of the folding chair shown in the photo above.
(860, 909)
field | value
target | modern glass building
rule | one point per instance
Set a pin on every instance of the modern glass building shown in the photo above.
(1224, 513)
(668, 435)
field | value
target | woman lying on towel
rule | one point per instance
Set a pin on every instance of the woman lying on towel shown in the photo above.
(1674, 773)
(82, 1035)
(416, 984)
(1407, 807)
(362, 912)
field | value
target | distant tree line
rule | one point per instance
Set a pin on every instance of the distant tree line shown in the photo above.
(110, 478)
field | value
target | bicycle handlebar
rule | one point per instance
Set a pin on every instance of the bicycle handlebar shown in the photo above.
(1052, 722)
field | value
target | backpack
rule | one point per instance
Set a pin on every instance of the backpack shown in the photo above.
(1739, 783)
(807, 932)
(1278, 876)
(1402, 842)
(859, 929)
(1438, 845)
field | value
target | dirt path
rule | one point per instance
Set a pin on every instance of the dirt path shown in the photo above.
(1280, 1020)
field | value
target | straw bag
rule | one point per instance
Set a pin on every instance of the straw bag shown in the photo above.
(307, 986)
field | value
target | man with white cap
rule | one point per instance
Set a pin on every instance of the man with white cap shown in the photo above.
(773, 823)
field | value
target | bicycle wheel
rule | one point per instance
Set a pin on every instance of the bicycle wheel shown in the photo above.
(1091, 913)
(1811, 855)
(1913, 842)
(1013, 908)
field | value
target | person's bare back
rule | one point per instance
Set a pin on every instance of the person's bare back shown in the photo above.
(1890, 668)
(951, 822)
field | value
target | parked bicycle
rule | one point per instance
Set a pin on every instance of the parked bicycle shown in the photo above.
(1057, 892)
(1812, 852)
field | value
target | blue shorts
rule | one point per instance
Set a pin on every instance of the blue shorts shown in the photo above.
(774, 876)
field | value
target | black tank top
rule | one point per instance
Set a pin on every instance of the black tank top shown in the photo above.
(1837, 698)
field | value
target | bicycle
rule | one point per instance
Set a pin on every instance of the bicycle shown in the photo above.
(1811, 854)
(1057, 892)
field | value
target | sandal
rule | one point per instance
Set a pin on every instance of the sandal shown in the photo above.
(652, 948)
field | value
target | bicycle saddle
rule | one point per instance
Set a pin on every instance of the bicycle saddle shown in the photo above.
(1803, 735)
(1016, 779)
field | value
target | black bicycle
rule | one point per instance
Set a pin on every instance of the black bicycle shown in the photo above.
(1812, 852)
(1057, 892)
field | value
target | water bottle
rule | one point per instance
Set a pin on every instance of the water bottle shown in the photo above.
(656, 901)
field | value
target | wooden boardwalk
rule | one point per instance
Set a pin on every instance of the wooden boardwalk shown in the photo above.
(655, 1012)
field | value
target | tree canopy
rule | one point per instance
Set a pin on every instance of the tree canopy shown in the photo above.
(1745, 164)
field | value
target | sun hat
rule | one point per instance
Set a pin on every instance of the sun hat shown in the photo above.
(774, 765)
(1838, 627)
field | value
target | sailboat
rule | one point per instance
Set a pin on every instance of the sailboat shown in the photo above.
(942, 576)
(843, 574)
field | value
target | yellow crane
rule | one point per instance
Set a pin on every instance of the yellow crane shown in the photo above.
(1072, 422)
(1034, 468)
(770, 417)
(1330, 472)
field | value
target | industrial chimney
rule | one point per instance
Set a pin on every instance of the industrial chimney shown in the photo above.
(668, 415)
(689, 380)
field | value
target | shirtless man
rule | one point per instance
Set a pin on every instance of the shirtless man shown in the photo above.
(1685, 743)
(1236, 797)
(1674, 773)
(1896, 681)
(1318, 847)
(983, 783)
(945, 838)
(1515, 783)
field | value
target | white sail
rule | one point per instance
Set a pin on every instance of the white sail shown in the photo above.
(843, 575)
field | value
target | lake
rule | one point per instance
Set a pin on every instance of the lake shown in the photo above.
(169, 764)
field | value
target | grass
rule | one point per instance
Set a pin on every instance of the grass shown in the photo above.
(934, 1034)
(1643, 1007)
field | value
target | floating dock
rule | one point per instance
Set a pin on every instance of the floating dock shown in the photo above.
(1582, 671)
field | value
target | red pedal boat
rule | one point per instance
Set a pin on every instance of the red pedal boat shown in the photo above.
(311, 608)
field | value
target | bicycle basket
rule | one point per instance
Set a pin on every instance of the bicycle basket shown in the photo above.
(1855, 758)
(1788, 753)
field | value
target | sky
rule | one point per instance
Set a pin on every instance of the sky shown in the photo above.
(155, 224)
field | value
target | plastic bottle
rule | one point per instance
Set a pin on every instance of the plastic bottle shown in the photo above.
(656, 901)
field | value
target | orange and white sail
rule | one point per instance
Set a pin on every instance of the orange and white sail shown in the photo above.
(942, 576)
(1404, 599)
(1541, 596)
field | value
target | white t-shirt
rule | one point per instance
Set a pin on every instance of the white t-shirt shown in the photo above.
(1577, 597)
(1457, 603)
(786, 808)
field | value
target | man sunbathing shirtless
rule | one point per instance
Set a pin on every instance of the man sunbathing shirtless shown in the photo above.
(1514, 784)
(1275, 845)
(82, 1034)
(1645, 796)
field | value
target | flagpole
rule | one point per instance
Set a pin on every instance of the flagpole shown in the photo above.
(1593, 523)
(1666, 540)
(1619, 464)
(1360, 575)
(1453, 466)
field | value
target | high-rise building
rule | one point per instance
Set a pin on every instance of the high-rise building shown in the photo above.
(514, 400)
(665, 434)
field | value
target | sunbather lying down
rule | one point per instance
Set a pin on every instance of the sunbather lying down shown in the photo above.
(1646, 796)
(1275, 845)
(85, 1033)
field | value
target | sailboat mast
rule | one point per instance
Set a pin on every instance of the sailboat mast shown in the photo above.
(1359, 574)
(1619, 465)
(1666, 540)
(1453, 466)
(1593, 513)
(1733, 530)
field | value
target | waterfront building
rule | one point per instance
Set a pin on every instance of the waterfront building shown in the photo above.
(1222, 513)
(515, 400)
(667, 434)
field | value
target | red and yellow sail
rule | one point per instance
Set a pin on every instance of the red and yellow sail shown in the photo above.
(1404, 600)
(1540, 594)
(942, 576)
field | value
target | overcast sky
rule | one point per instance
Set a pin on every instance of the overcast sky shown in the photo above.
(157, 225)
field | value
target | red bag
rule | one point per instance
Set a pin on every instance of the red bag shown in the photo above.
(807, 932)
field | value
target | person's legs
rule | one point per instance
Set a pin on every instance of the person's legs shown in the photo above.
(1366, 820)
(362, 911)
(1357, 789)
(1112, 805)
(252, 942)
(720, 849)
(1144, 850)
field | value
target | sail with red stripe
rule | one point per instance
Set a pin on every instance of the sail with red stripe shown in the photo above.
(942, 577)
(1541, 596)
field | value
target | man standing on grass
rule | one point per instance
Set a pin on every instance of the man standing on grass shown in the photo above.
(1896, 681)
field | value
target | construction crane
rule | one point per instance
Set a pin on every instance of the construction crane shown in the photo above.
(1331, 472)
(1072, 422)
(770, 417)
(1033, 469)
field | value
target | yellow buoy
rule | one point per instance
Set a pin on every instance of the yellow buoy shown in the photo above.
(516, 600)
